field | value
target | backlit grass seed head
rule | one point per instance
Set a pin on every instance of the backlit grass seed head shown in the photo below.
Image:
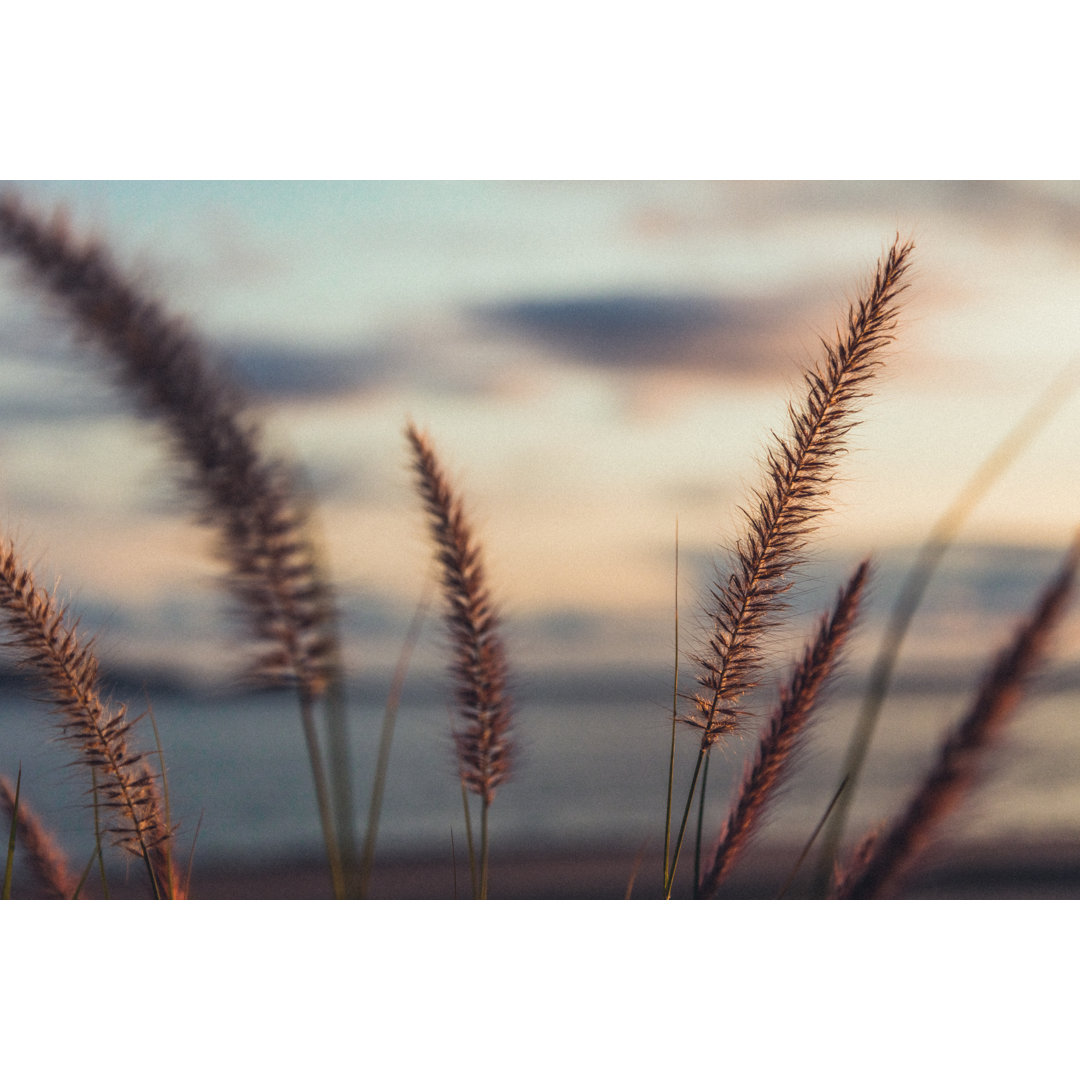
(479, 668)
(800, 468)
(43, 853)
(67, 673)
(879, 866)
(781, 738)
(250, 499)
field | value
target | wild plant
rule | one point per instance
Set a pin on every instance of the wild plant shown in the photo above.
(883, 856)
(267, 542)
(67, 674)
(800, 467)
(484, 748)
(251, 498)
(44, 855)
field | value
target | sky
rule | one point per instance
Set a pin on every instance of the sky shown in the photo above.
(597, 363)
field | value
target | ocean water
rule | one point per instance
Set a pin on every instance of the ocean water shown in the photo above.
(591, 772)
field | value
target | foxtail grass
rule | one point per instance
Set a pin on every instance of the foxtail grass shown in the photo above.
(910, 598)
(67, 675)
(780, 739)
(13, 836)
(42, 853)
(478, 667)
(386, 738)
(880, 863)
(251, 499)
(800, 468)
(265, 538)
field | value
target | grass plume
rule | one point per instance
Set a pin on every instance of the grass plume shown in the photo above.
(911, 594)
(265, 536)
(263, 522)
(67, 673)
(249, 497)
(800, 468)
(43, 854)
(879, 865)
(478, 666)
(780, 739)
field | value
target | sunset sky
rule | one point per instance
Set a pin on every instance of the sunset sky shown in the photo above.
(593, 361)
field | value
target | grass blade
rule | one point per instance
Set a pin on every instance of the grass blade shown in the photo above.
(912, 591)
(386, 737)
(9, 865)
(881, 864)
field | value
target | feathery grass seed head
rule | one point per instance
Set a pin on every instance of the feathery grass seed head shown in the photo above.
(67, 672)
(43, 854)
(484, 749)
(879, 865)
(273, 572)
(765, 773)
(799, 470)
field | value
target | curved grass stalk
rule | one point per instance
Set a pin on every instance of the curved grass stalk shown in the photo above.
(386, 737)
(98, 845)
(478, 665)
(912, 591)
(881, 861)
(790, 880)
(67, 672)
(778, 744)
(674, 721)
(43, 853)
(9, 862)
(800, 470)
(251, 499)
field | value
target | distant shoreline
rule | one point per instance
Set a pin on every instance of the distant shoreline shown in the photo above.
(1016, 871)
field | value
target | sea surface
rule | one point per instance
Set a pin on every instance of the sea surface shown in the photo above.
(591, 770)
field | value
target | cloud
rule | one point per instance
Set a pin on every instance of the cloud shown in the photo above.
(646, 331)
(272, 370)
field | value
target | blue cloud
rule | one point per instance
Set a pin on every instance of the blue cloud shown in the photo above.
(652, 330)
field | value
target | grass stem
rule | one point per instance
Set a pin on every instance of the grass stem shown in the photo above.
(911, 595)
(386, 737)
(322, 796)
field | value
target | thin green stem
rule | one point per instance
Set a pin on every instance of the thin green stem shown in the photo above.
(813, 836)
(86, 873)
(382, 764)
(700, 821)
(9, 867)
(669, 880)
(469, 838)
(155, 884)
(338, 747)
(674, 716)
(484, 851)
(322, 797)
(191, 856)
(171, 882)
(912, 592)
(453, 860)
(634, 872)
(97, 833)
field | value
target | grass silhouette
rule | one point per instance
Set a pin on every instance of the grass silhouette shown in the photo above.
(266, 544)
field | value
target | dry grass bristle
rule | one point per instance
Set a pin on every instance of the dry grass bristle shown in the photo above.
(799, 470)
(479, 669)
(780, 739)
(250, 498)
(44, 855)
(67, 673)
(957, 765)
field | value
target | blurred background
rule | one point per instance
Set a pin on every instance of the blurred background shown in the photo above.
(595, 362)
